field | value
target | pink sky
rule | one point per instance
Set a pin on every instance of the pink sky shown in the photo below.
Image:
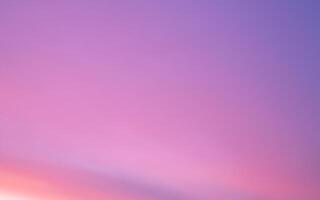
(203, 100)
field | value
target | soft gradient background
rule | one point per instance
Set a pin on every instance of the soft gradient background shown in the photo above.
(161, 99)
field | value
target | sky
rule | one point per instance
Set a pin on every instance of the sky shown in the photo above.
(160, 99)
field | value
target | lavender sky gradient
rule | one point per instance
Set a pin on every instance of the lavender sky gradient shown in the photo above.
(206, 99)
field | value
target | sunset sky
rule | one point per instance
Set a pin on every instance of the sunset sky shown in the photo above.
(159, 99)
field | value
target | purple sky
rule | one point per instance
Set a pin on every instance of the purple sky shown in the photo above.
(212, 99)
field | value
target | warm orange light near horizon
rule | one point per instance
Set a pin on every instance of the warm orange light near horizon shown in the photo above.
(33, 183)
(11, 196)
(19, 185)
